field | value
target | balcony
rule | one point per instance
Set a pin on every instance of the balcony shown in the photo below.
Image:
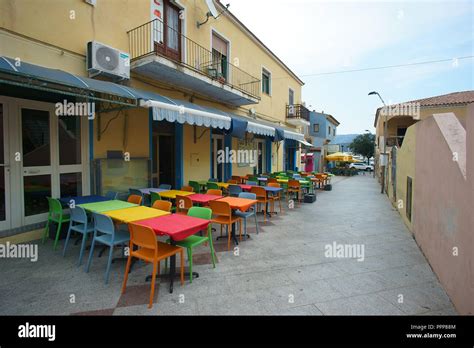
(297, 115)
(164, 54)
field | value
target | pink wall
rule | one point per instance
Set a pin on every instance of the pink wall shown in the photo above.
(443, 202)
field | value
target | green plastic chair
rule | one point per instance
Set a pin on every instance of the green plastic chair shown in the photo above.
(155, 196)
(194, 241)
(55, 215)
(195, 185)
(212, 185)
(252, 178)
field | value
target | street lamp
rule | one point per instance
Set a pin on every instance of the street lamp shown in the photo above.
(384, 141)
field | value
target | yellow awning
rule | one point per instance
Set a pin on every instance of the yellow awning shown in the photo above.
(339, 156)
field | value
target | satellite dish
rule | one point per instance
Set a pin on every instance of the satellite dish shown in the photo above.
(212, 8)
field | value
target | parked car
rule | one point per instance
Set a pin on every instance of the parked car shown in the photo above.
(362, 166)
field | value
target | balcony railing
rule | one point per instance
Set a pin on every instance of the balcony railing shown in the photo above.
(297, 111)
(157, 38)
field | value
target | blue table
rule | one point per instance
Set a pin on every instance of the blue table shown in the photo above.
(66, 201)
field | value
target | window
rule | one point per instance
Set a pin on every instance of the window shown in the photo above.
(334, 131)
(266, 81)
(316, 127)
(219, 57)
(291, 97)
(408, 198)
(329, 130)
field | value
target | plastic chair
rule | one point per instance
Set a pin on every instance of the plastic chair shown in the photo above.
(212, 185)
(155, 196)
(276, 196)
(57, 216)
(253, 183)
(136, 192)
(237, 178)
(193, 241)
(79, 223)
(246, 214)
(135, 199)
(294, 187)
(223, 216)
(187, 188)
(232, 181)
(111, 195)
(212, 180)
(195, 185)
(105, 233)
(162, 205)
(272, 181)
(165, 186)
(261, 198)
(214, 192)
(183, 204)
(149, 249)
(234, 190)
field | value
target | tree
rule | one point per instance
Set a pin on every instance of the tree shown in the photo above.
(363, 145)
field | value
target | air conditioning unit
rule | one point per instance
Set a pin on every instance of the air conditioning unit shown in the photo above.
(106, 60)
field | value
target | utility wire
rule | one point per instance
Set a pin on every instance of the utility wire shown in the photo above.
(384, 67)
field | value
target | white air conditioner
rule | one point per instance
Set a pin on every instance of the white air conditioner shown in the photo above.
(106, 60)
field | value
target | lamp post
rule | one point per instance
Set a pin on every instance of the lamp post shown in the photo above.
(384, 167)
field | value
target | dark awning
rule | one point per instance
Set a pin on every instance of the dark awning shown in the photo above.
(279, 135)
(28, 75)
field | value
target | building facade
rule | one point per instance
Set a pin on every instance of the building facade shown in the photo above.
(322, 131)
(193, 91)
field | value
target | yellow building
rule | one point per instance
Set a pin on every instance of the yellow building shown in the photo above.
(166, 85)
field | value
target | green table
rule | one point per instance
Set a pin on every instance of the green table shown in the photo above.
(100, 207)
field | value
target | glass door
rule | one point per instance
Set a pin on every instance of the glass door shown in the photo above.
(218, 157)
(36, 162)
(5, 222)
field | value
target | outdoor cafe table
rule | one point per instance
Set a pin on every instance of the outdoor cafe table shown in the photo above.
(270, 190)
(171, 194)
(135, 214)
(177, 227)
(242, 204)
(203, 198)
(148, 190)
(76, 200)
(224, 185)
(100, 207)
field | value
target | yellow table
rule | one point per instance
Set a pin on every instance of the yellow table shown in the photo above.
(134, 214)
(223, 184)
(171, 194)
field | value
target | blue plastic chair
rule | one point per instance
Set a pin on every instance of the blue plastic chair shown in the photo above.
(234, 190)
(79, 223)
(111, 195)
(254, 183)
(165, 186)
(104, 233)
(247, 214)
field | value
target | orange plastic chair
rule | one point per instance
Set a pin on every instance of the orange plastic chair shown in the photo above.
(222, 215)
(272, 181)
(136, 199)
(183, 204)
(214, 192)
(261, 198)
(149, 249)
(294, 186)
(232, 181)
(187, 188)
(162, 205)
(237, 178)
(276, 196)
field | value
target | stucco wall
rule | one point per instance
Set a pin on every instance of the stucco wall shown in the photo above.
(406, 165)
(444, 201)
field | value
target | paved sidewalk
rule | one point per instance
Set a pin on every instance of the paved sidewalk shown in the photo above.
(282, 270)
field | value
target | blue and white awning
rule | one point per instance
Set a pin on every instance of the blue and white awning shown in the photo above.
(173, 110)
(294, 136)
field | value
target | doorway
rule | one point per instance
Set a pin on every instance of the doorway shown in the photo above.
(217, 145)
(164, 162)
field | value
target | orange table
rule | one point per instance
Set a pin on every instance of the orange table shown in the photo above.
(242, 204)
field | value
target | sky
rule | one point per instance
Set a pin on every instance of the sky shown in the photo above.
(320, 36)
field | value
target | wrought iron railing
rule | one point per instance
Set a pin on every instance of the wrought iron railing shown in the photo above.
(157, 38)
(297, 111)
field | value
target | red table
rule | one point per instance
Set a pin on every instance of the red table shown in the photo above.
(177, 227)
(203, 198)
(245, 187)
